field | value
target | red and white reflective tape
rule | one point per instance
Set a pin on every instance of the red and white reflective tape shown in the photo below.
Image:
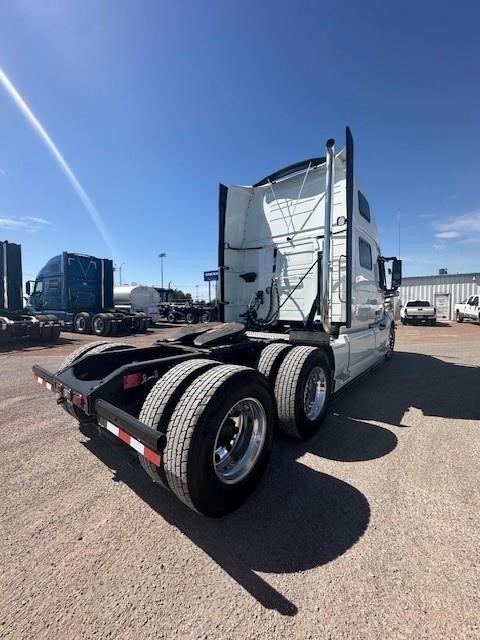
(43, 382)
(132, 442)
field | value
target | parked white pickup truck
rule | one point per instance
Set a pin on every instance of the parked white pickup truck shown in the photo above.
(468, 309)
(418, 311)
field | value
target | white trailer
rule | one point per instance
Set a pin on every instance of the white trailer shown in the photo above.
(302, 292)
(138, 298)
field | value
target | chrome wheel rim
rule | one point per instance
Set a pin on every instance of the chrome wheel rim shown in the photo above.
(315, 393)
(81, 323)
(99, 324)
(239, 441)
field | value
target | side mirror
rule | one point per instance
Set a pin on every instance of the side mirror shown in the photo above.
(396, 273)
(28, 287)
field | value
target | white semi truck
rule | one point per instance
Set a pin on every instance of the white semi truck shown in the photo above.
(302, 290)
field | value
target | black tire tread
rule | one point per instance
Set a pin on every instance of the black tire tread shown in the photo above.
(157, 408)
(91, 348)
(286, 387)
(270, 359)
(77, 353)
(182, 425)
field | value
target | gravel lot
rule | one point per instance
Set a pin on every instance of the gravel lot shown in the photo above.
(370, 530)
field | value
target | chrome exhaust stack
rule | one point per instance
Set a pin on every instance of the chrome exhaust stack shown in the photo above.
(327, 238)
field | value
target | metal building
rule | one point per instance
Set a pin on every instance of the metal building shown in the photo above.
(443, 291)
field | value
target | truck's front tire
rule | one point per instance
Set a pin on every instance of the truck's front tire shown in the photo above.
(458, 317)
(390, 342)
(219, 439)
(302, 390)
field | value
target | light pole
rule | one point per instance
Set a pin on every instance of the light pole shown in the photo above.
(120, 272)
(162, 256)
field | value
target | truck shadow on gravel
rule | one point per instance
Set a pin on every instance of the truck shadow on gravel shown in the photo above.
(26, 345)
(436, 387)
(300, 518)
(297, 519)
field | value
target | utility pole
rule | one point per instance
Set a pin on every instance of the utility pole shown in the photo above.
(120, 271)
(196, 287)
(162, 256)
(398, 214)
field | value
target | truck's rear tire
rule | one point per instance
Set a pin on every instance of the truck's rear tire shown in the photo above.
(45, 333)
(91, 348)
(190, 317)
(78, 353)
(82, 322)
(205, 317)
(143, 325)
(101, 325)
(403, 321)
(458, 317)
(55, 335)
(161, 401)
(112, 325)
(219, 439)
(433, 323)
(171, 317)
(271, 358)
(302, 390)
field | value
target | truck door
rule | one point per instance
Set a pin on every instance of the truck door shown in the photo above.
(468, 307)
(37, 300)
(366, 299)
(474, 310)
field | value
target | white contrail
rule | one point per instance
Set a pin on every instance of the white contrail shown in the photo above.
(79, 190)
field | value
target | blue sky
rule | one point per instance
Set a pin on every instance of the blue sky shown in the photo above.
(153, 103)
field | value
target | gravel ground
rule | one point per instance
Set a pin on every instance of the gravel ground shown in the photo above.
(370, 530)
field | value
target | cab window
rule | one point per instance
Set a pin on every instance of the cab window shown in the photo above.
(363, 206)
(38, 286)
(365, 254)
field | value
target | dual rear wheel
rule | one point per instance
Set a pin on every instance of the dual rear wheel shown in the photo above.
(219, 421)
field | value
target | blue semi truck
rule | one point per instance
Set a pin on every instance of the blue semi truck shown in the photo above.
(78, 290)
(15, 321)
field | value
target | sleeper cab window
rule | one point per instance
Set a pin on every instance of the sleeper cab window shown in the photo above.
(365, 254)
(363, 206)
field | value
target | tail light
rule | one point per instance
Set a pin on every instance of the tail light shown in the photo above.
(79, 400)
(58, 387)
(132, 380)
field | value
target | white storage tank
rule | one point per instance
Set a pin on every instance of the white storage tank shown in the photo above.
(137, 298)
